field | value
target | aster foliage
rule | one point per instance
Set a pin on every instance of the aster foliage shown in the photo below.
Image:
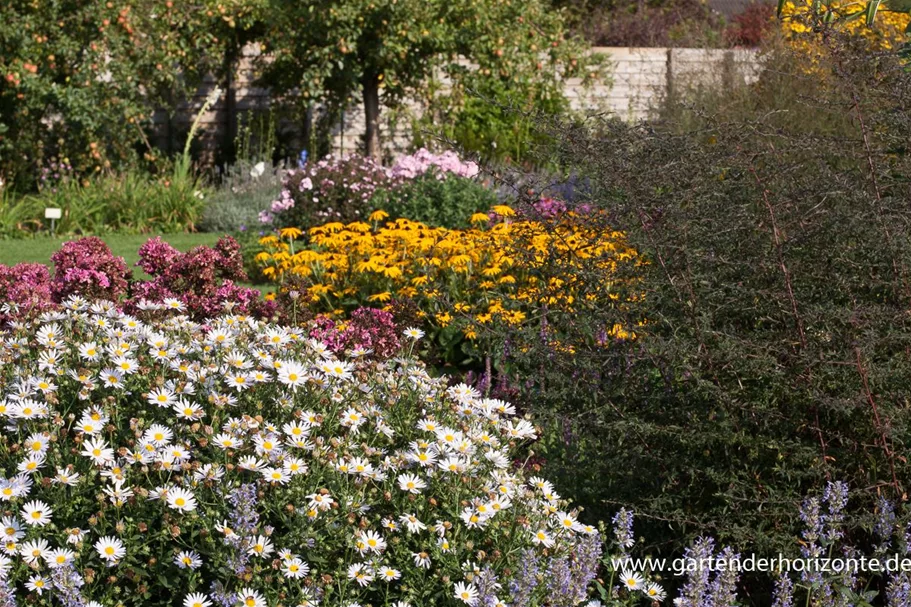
(234, 461)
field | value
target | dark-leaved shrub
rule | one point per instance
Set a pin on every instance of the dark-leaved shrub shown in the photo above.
(770, 305)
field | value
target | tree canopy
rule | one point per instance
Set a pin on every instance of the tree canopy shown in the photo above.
(334, 50)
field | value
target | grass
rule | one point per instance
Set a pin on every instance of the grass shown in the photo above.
(39, 250)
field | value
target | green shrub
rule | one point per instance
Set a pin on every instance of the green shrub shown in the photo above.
(244, 190)
(445, 202)
(775, 288)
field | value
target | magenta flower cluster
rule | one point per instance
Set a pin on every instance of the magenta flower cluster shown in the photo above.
(202, 279)
(552, 208)
(25, 290)
(368, 329)
(86, 267)
(202, 283)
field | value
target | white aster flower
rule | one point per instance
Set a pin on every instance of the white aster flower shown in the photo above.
(467, 593)
(36, 513)
(181, 499)
(110, 549)
(197, 599)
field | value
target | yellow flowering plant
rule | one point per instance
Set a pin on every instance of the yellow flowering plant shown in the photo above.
(876, 25)
(499, 273)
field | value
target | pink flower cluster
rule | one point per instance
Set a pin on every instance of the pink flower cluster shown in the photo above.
(202, 279)
(368, 329)
(25, 290)
(546, 208)
(338, 189)
(424, 161)
(86, 267)
(331, 189)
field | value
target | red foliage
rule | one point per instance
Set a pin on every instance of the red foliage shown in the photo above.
(750, 28)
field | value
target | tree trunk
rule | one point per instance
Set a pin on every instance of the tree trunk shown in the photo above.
(372, 116)
(228, 151)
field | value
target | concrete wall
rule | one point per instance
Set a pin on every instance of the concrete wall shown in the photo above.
(639, 79)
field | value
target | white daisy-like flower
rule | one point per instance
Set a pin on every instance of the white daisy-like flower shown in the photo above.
(260, 546)
(467, 593)
(35, 550)
(411, 483)
(176, 305)
(161, 397)
(567, 522)
(250, 598)
(37, 443)
(98, 451)
(75, 536)
(197, 599)
(36, 513)
(66, 477)
(275, 475)
(320, 501)
(360, 573)
(336, 369)
(89, 425)
(60, 557)
(89, 351)
(421, 559)
(188, 559)
(654, 591)
(412, 523)
(542, 537)
(33, 463)
(632, 580)
(292, 374)
(37, 583)
(159, 435)
(295, 569)
(227, 441)
(413, 333)
(181, 499)
(110, 549)
(371, 541)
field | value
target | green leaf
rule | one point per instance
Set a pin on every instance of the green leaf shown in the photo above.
(872, 8)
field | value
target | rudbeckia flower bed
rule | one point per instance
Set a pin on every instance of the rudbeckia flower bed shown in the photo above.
(501, 272)
(232, 462)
